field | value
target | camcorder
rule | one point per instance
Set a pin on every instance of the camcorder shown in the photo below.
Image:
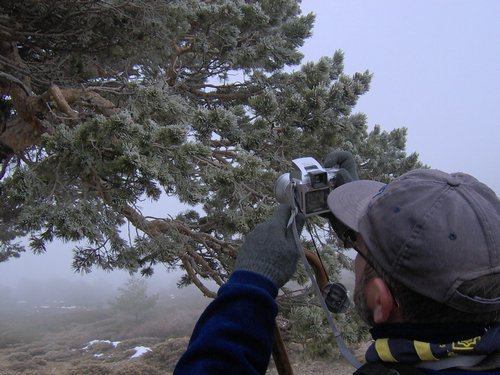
(307, 186)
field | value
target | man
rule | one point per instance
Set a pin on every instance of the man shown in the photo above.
(427, 278)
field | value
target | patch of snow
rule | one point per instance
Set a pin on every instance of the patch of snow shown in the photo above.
(92, 342)
(139, 351)
(89, 344)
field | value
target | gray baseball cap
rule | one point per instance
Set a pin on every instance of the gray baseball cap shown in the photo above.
(430, 230)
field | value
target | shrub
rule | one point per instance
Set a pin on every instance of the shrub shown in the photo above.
(137, 368)
(165, 355)
(14, 337)
(25, 372)
(164, 326)
(59, 355)
(23, 366)
(36, 351)
(89, 368)
(18, 357)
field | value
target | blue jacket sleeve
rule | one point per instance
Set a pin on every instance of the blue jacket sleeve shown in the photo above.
(235, 333)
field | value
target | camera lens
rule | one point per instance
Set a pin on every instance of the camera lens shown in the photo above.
(282, 188)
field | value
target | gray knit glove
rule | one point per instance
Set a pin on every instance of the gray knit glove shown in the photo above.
(347, 166)
(270, 248)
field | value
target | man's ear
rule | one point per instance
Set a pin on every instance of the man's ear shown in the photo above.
(380, 301)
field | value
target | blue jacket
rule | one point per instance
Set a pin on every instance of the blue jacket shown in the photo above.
(235, 333)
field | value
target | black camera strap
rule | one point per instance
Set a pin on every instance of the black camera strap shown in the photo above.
(344, 350)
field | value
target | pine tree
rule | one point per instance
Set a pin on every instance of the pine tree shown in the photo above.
(132, 299)
(107, 104)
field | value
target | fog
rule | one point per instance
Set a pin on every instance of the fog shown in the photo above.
(48, 279)
(435, 72)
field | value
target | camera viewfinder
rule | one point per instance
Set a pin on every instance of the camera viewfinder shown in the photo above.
(319, 179)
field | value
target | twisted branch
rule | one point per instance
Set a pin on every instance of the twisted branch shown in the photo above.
(190, 258)
(192, 275)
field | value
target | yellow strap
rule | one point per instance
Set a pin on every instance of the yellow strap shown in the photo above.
(424, 351)
(383, 350)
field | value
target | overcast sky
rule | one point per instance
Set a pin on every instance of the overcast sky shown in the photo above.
(436, 71)
(436, 67)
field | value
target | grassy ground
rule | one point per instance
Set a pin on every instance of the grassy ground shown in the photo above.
(52, 342)
(45, 342)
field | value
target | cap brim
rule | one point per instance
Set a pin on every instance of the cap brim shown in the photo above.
(349, 202)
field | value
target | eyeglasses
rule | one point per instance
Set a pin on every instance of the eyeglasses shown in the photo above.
(349, 242)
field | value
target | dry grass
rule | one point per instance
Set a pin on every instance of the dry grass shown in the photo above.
(56, 342)
(53, 344)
